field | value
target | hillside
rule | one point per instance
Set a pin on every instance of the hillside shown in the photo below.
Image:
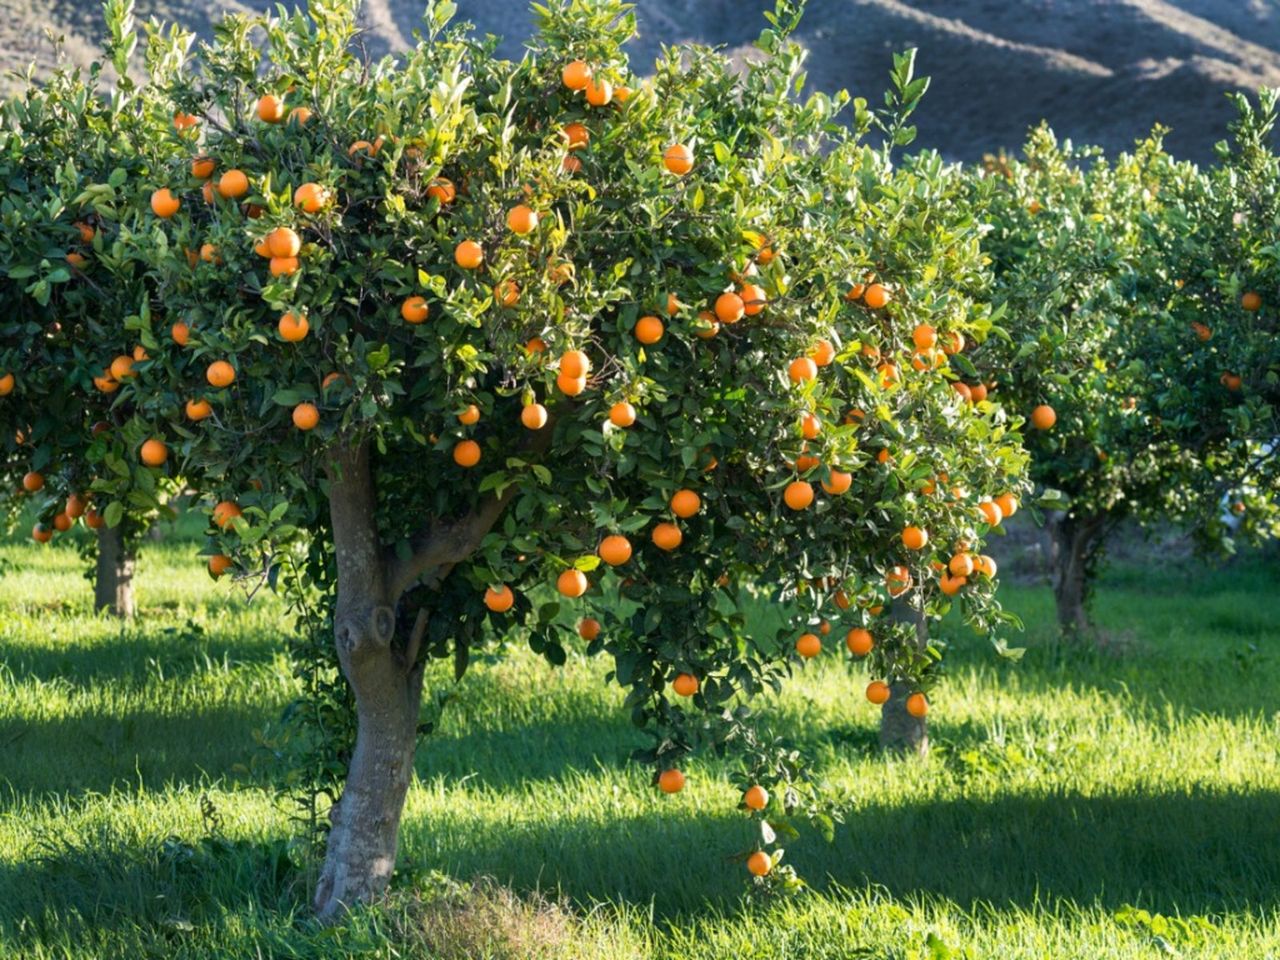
(1101, 71)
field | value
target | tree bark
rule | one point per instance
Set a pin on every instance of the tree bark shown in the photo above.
(113, 576)
(1076, 542)
(899, 730)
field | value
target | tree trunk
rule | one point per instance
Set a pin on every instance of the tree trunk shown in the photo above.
(1076, 541)
(113, 577)
(899, 730)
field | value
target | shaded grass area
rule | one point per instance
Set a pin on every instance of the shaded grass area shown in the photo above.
(140, 817)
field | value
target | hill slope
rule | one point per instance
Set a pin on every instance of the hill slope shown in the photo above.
(1101, 71)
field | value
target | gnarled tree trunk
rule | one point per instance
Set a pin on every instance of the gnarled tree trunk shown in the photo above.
(899, 730)
(113, 575)
(1076, 541)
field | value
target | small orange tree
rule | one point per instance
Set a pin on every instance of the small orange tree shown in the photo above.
(69, 162)
(475, 330)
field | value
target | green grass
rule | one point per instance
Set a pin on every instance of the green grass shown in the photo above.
(1063, 790)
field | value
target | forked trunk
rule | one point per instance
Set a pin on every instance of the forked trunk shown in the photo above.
(113, 576)
(1076, 542)
(899, 730)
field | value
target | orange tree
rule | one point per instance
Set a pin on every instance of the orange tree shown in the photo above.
(1079, 270)
(68, 164)
(485, 347)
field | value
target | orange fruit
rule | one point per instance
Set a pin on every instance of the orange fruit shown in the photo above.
(678, 159)
(914, 538)
(184, 121)
(685, 504)
(898, 581)
(233, 184)
(809, 645)
(225, 512)
(293, 327)
(953, 343)
(960, 565)
(62, 523)
(1043, 417)
(414, 310)
(707, 326)
(622, 414)
(978, 392)
(499, 599)
(469, 416)
(466, 453)
(105, 383)
(917, 705)
(924, 336)
(951, 585)
(798, 494)
(306, 416)
(153, 453)
(810, 425)
(468, 255)
(506, 293)
(220, 374)
(859, 641)
(985, 565)
(164, 204)
(1008, 504)
(667, 536)
(75, 506)
(122, 366)
(522, 219)
(284, 242)
(284, 266)
(622, 94)
(855, 292)
(209, 253)
(198, 410)
(6, 384)
(311, 198)
(575, 363)
(673, 304)
(219, 564)
(576, 75)
(442, 190)
(759, 864)
(570, 386)
(649, 330)
(300, 116)
(729, 308)
(599, 92)
(93, 519)
(991, 512)
(685, 684)
(837, 483)
(534, 416)
(755, 798)
(877, 691)
(876, 296)
(615, 550)
(576, 135)
(753, 299)
(572, 583)
(671, 781)
(588, 628)
(823, 353)
(1251, 301)
(33, 482)
(1231, 381)
(802, 369)
(41, 534)
(270, 109)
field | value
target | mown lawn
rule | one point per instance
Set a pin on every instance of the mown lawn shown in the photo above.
(1066, 794)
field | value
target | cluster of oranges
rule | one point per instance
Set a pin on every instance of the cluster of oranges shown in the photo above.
(75, 508)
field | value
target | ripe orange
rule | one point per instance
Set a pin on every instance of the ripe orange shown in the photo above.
(823, 353)
(300, 116)
(876, 296)
(671, 781)
(685, 684)
(466, 453)
(599, 93)
(898, 581)
(991, 512)
(809, 645)
(122, 366)
(1232, 381)
(1251, 301)
(877, 692)
(588, 628)
(6, 384)
(855, 292)
(62, 523)
(729, 308)
(1043, 417)
(685, 503)
(284, 242)
(559, 272)
(753, 299)
(311, 198)
(225, 512)
(154, 453)
(306, 416)
(220, 374)
(1008, 504)
(960, 565)
(667, 536)
(887, 374)
(284, 266)
(951, 585)
(576, 75)
(924, 337)
(570, 386)
(673, 304)
(164, 204)
(837, 483)
(75, 506)
(202, 168)
(572, 583)
(755, 798)
(615, 550)
(468, 255)
(105, 383)
(33, 482)
(802, 369)
(914, 538)
(798, 494)
(954, 343)
(978, 392)
(233, 184)
(576, 135)
(571, 164)
(678, 159)
(575, 363)
(649, 330)
(806, 462)
(442, 190)
(41, 534)
(759, 864)
(209, 253)
(219, 564)
(499, 599)
(622, 414)
(859, 641)
(522, 219)
(293, 327)
(507, 293)
(198, 410)
(93, 519)
(414, 309)
(470, 415)
(184, 121)
(534, 416)
(985, 565)
(810, 425)
(917, 705)
(270, 109)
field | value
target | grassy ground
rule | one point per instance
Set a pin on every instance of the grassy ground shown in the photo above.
(1116, 803)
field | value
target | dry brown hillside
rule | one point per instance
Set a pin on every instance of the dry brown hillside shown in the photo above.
(1100, 70)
